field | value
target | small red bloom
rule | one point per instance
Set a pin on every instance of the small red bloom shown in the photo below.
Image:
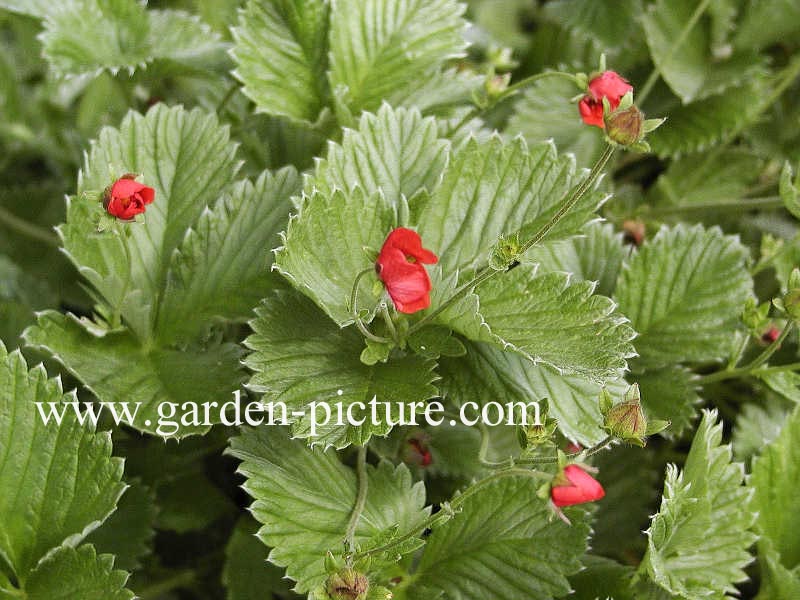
(609, 85)
(770, 335)
(127, 198)
(581, 488)
(399, 266)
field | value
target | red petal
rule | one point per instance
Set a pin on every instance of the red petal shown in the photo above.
(583, 488)
(591, 112)
(409, 242)
(148, 194)
(125, 188)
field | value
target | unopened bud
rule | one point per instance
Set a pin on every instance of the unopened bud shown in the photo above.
(505, 253)
(347, 584)
(626, 420)
(496, 85)
(624, 127)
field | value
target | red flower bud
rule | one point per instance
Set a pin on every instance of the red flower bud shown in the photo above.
(399, 266)
(606, 85)
(770, 335)
(579, 487)
(127, 198)
(417, 451)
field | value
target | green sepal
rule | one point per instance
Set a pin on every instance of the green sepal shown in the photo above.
(435, 341)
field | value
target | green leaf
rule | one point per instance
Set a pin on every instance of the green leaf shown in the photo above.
(20, 294)
(179, 509)
(395, 151)
(785, 383)
(248, 575)
(686, 62)
(704, 123)
(379, 47)
(698, 541)
(547, 319)
(220, 270)
(189, 160)
(767, 22)
(602, 578)
(164, 381)
(774, 479)
(545, 111)
(683, 292)
(595, 256)
(496, 188)
(756, 427)
(669, 394)
(777, 582)
(59, 482)
(304, 499)
(609, 22)
(300, 356)
(71, 573)
(128, 533)
(487, 373)
(324, 249)
(790, 190)
(282, 56)
(84, 37)
(33, 8)
(504, 544)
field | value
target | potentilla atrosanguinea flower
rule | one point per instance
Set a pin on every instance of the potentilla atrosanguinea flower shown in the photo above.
(580, 487)
(609, 85)
(400, 267)
(126, 198)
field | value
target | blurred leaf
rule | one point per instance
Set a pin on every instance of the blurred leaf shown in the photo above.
(669, 394)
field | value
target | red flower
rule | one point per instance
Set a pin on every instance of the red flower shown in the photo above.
(399, 266)
(127, 198)
(581, 487)
(609, 85)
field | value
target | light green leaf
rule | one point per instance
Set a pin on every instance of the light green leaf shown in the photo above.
(790, 190)
(683, 292)
(220, 270)
(304, 499)
(116, 367)
(776, 472)
(698, 541)
(324, 249)
(785, 383)
(300, 356)
(777, 582)
(686, 62)
(496, 187)
(72, 573)
(84, 37)
(282, 55)
(248, 575)
(59, 482)
(189, 160)
(766, 22)
(504, 545)
(487, 373)
(547, 319)
(703, 123)
(595, 256)
(669, 394)
(756, 427)
(545, 112)
(128, 533)
(379, 47)
(610, 22)
(33, 8)
(395, 151)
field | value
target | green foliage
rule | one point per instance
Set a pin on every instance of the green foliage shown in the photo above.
(767, 22)
(304, 497)
(683, 292)
(669, 394)
(698, 541)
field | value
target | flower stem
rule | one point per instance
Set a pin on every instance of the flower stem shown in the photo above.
(116, 319)
(227, 98)
(487, 272)
(361, 500)
(354, 308)
(687, 29)
(23, 227)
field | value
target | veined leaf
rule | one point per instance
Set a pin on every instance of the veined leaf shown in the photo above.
(596, 255)
(395, 151)
(493, 188)
(774, 479)
(379, 47)
(71, 573)
(504, 545)
(324, 248)
(686, 62)
(300, 356)
(545, 112)
(117, 368)
(602, 578)
(487, 373)
(282, 55)
(221, 268)
(757, 426)
(669, 394)
(84, 37)
(698, 541)
(304, 499)
(610, 22)
(188, 158)
(683, 292)
(59, 480)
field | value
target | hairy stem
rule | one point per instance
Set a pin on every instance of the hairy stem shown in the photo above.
(361, 499)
